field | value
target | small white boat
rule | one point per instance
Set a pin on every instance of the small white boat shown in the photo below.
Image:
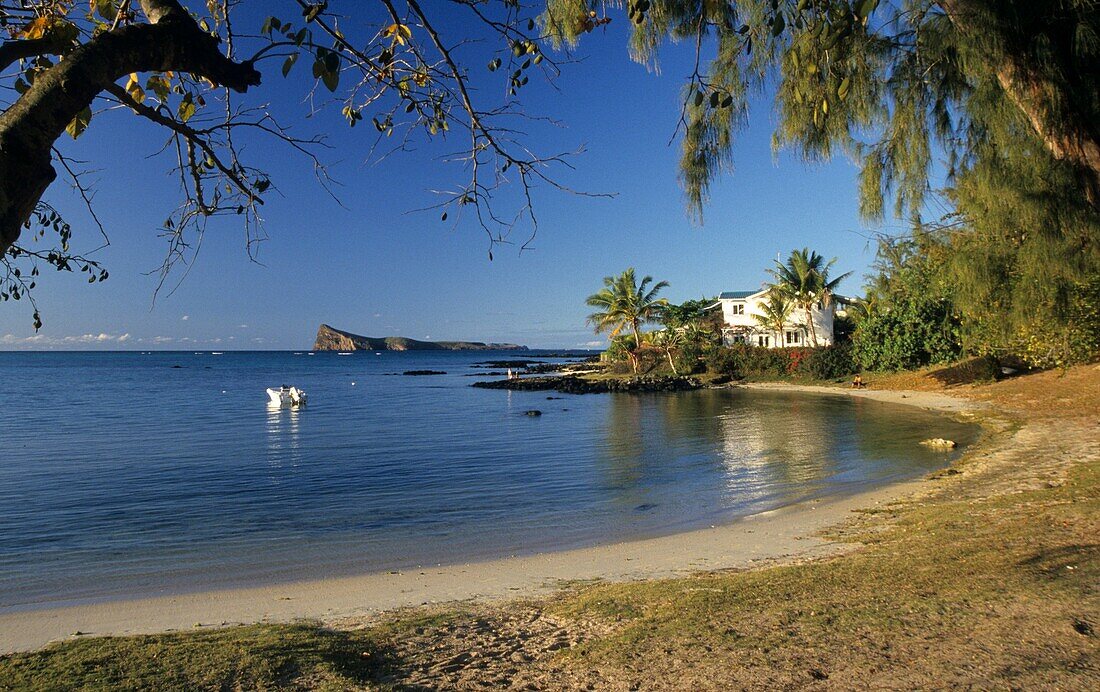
(286, 396)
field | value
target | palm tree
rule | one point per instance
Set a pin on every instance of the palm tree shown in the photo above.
(775, 312)
(804, 281)
(623, 303)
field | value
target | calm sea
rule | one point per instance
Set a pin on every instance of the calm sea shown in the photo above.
(127, 474)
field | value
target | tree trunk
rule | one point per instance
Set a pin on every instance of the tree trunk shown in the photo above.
(1073, 136)
(809, 308)
(637, 344)
(671, 363)
(29, 127)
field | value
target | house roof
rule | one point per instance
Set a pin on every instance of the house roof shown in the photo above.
(737, 295)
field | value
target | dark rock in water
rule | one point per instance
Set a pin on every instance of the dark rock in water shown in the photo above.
(645, 507)
(552, 398)
(533, 412)
(571, 384)
(423, 372)
(492, 373)
(504, 364)
(176, 366)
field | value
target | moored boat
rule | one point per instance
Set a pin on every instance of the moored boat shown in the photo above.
(286, 396)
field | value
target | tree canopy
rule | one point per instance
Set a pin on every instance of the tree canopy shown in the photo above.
(624, 302)
(990, 109)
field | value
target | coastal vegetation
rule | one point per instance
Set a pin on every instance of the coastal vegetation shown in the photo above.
(624, 303)
(803, 282)
(914, 312)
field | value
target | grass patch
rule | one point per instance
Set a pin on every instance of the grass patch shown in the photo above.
(255, 657)
(1019, 569)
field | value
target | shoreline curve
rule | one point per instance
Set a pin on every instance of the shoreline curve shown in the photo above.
(783, 535)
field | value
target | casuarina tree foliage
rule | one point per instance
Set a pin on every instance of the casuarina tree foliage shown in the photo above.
(998, 95)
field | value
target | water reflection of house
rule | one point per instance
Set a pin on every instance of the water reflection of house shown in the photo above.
(740, 324)
(775, 441)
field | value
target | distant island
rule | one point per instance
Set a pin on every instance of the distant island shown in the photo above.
(331, 339)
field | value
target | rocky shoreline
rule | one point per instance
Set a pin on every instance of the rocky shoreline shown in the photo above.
(571, 384)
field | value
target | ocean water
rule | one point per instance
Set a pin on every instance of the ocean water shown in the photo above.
(129, 474)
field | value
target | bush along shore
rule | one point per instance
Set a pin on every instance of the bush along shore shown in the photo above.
(717, 365)
(725, 365)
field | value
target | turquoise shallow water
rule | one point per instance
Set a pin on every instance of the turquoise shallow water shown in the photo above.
(125, 475)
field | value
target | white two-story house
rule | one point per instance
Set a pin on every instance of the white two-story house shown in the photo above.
(740, 323)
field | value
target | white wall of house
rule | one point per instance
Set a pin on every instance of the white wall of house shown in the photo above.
(739, 316)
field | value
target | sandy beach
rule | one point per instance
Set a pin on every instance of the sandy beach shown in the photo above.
(784, 535)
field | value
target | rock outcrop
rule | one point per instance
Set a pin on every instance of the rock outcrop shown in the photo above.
(571, 384)
(331, 339)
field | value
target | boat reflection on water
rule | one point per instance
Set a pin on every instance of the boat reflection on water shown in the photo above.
(283, 433)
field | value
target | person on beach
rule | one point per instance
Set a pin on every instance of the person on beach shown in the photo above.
(857, 382)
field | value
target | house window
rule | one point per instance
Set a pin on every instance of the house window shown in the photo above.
(794, 338)
(739, 339)
(738, 309)
(764, 341)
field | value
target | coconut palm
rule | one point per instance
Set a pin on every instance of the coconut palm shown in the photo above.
(622, 303)
(804, 280)
(775, 311)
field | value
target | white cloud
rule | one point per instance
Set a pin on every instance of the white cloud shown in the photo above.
(42, 340)
(242, 326)
(592, 344)
(185, 318)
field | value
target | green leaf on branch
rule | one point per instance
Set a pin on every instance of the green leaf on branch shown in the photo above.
(865, 8)
(289, 63)
(778, 25)
(77, 125)
(311, 12)
(186, 108)
(105, 9)
(331, 79)
(844, 88)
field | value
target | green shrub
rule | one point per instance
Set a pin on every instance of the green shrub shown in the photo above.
(725, 361)
(911, 335)
(741, 360)
(690, 360)
(830, 362)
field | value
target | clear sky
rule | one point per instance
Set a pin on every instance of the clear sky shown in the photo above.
(371, 267)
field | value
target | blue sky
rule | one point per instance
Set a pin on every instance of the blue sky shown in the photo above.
(371, 267)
